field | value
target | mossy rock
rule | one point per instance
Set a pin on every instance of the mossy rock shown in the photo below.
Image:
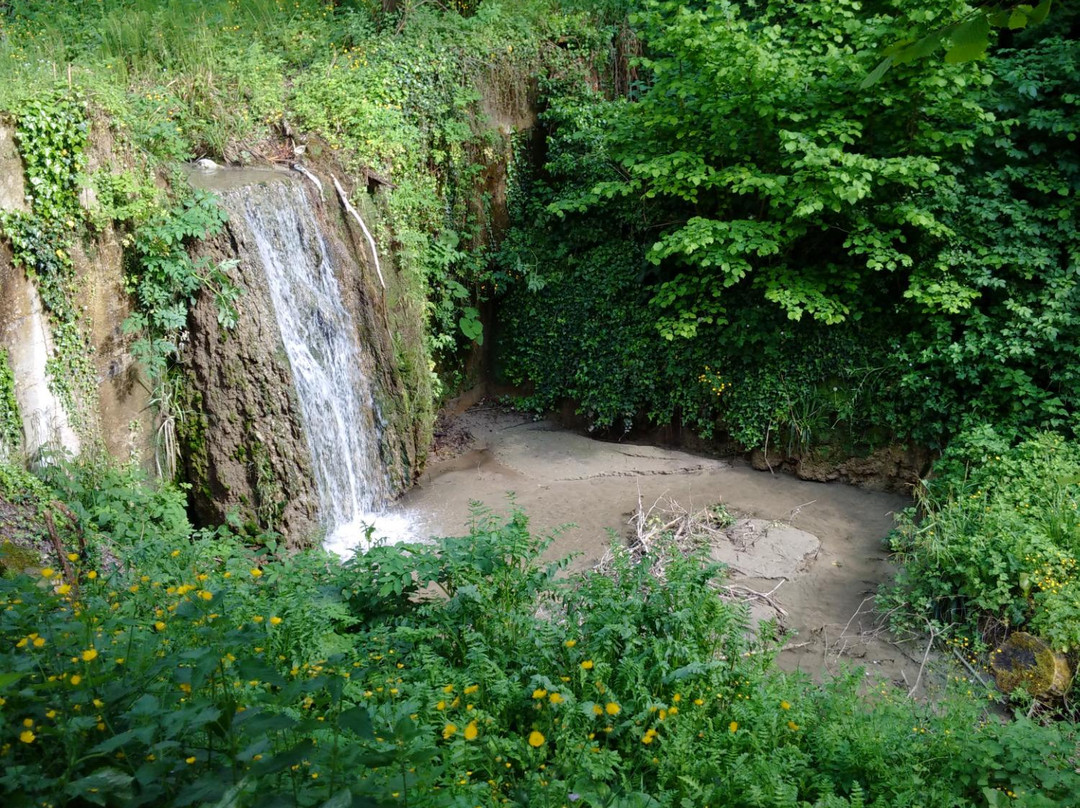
(15, 558)
(1025, 660)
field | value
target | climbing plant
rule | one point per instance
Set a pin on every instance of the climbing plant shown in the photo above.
(51, 134)
(10, 421)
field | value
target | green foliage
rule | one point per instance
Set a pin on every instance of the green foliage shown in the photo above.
(1006, 356)
(966, 38)
(180, 668)
(10, 420)
(776, 171)
(997, 533)
(926, 228)
(51, 134)
(165, 280)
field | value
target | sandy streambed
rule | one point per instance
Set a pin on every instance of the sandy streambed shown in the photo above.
(816, 546)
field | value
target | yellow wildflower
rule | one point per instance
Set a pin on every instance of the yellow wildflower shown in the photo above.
(89, 655)
(275, 621)
(26, 736)
(785, 706)
(48, 572)
(471, 731)
(539, 693)
(611, 708)
(733, 726)
(587, 665)
(536, 739)
(448, 731)
(555, 698)
(256, 572)
(470, 689)
(570, 643)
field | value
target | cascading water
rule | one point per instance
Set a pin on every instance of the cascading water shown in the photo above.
(320, 338)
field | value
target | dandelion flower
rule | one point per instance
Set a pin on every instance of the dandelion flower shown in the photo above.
(39, 642)
(63, 589)
(92, 574)
(785, 706)
(448, 731)
(611, 708)
(570, 643)
(733, 726)
(792, 726)
(536, 739)
(89, 655)
(48, 572)
(441, 705)
(159, 625)
(26, 736)
(275, 621)
(256, 572)
(470, 689)
(190, 760)
(539, 693)
(587, 665)
(555, 698)
(597, 709)
(75, 679)
(471, 731)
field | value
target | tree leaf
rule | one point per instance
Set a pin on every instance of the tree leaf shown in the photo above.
(969, 40)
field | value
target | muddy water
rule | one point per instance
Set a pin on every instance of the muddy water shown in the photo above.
(563, 478)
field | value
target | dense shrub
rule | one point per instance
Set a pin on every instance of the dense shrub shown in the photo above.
(996, 534)
(181, 668)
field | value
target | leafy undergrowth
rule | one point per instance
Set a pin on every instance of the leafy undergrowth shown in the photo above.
(995, 542)
(196, 671)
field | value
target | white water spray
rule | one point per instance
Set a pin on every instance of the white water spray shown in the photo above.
(336, 401)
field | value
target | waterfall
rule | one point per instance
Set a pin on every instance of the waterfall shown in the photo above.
(341, 420)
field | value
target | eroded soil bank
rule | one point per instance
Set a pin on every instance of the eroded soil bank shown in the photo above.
(563, 478)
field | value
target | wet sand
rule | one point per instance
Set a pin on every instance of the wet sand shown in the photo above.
(563, 478)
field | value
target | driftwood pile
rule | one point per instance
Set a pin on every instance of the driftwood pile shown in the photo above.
(667, 530)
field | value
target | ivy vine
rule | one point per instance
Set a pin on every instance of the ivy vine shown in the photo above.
(51, 134)
(10, 420)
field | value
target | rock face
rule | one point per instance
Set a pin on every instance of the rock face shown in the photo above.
(1026, 661)
(119, 418)
(757, 548)
(12, 187)
(246, 444)
(24, 331)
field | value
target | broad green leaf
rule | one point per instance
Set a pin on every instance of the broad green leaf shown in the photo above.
(969, 40)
